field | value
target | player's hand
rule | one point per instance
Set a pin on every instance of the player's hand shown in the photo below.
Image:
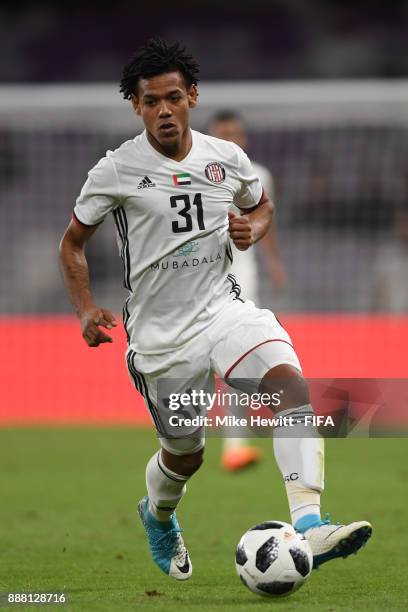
(91, 322)
(240, 230)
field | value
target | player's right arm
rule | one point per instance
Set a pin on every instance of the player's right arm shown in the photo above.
(76, 278)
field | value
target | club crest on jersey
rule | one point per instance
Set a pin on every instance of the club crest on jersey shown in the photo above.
(215, 172)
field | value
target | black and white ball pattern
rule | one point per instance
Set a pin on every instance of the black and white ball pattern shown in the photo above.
(273, 560)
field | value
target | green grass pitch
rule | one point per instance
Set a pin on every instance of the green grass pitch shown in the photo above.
(68, 523)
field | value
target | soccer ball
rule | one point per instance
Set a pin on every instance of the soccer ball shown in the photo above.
(273, 560)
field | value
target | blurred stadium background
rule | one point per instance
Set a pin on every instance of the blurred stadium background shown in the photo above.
(324, 93)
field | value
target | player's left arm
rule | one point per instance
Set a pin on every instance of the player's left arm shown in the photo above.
(252, 224)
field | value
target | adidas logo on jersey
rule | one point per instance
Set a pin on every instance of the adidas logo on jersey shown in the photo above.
(145, 182)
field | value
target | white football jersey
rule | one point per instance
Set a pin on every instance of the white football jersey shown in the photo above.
(172, 229)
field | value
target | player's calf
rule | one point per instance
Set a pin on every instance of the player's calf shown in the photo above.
(298, 447)
(166, 478)
(186, 464)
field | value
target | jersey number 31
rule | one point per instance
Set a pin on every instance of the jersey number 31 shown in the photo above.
(187, 226)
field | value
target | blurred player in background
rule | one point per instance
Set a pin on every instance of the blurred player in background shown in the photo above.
(170, 190)
(228, 125)
(390, 282)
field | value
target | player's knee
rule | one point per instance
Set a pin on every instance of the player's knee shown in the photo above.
(288, 386)
(193, 462)
(186, 465)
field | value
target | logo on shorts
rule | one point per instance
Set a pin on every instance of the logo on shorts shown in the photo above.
(215, 172)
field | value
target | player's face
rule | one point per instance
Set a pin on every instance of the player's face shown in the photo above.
(164, 105)
(231, 129)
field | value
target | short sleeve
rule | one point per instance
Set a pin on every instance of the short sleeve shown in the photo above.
(250, 190)
(99, 195)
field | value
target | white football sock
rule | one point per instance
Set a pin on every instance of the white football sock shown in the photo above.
(300, 459)
(302, 501)
(164, 488)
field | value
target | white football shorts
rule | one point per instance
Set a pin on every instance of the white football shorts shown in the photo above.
(243, 342)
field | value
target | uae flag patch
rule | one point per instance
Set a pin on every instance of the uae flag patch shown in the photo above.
(182, 179)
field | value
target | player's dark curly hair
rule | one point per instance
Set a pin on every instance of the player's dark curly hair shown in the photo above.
(156, 57)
